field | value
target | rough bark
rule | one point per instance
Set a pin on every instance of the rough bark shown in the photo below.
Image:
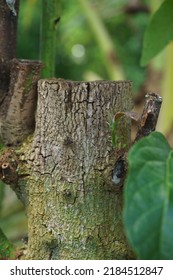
(17, 111)
(73, 207)
(18, 95)
(18, 98)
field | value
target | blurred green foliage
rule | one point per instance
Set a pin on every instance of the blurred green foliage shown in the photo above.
(158, 39)
(78, 52)
(159, 32)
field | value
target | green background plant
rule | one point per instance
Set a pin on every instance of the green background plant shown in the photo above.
(148, 209)
(158, 35)
(148, 194)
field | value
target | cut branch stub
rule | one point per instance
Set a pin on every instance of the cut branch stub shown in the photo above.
(18, 108)
(146, 124)
(73, 209)
(8, 167)
(149, 117)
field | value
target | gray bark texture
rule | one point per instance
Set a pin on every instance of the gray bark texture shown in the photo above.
(74, 209)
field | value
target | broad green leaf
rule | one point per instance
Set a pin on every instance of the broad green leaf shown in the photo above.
(148, 194)
(159, 32)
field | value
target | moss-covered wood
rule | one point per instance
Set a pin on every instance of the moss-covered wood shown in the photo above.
(74, 210)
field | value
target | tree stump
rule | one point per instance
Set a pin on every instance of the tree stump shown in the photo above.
(73, 207)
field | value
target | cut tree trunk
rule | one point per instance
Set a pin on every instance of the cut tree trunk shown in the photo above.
(74, 209)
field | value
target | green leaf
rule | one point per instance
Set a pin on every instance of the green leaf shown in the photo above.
(159, 32)
(148, 195)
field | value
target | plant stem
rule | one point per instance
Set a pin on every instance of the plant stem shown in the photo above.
(48, 36)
